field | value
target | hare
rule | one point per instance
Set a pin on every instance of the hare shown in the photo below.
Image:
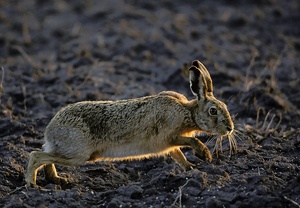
(132, 129)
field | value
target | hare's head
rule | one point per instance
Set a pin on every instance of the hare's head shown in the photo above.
(211, 115)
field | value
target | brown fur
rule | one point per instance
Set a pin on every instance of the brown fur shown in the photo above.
(130, 129)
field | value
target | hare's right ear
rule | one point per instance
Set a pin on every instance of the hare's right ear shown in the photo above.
(197, 83)
(208, 79)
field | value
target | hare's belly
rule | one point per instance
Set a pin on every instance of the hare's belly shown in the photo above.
(135, 151)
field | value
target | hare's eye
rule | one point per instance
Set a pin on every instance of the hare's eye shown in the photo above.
(213, 111)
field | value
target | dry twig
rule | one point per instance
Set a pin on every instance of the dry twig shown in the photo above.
(292, 201)
(178, 199)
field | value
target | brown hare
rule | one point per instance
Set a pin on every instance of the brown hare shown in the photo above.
(132, 129)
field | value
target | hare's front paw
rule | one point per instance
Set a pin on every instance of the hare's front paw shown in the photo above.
(203, 153)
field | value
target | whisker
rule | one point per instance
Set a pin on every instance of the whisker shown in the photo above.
(239, 127)
(235, 125)
(241, 136)
(218, 145)
(210, 139)
(220, 140)
(234, 116)
(232, 144)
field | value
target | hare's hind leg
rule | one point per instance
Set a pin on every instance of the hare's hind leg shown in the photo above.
(179, 157)
(201, 151)
(39, 159)
(32, 168)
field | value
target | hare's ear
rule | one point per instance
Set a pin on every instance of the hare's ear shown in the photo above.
(208, 79)
(197, 83)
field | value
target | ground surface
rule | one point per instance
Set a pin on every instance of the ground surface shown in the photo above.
(58, 52)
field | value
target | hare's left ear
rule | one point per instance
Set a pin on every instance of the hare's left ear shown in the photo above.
(197, 83)
(208, 79)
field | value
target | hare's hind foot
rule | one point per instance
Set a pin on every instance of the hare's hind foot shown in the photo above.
(31, 184)
(52, 177)
(39, 159)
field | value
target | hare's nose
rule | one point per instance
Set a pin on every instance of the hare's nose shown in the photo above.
(229, 128)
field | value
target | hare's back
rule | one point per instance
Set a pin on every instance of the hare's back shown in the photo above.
(93, 112)
(120, 120)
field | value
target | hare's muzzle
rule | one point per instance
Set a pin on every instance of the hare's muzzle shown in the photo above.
(229, 129)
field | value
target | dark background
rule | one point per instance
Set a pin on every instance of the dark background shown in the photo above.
(57, 52)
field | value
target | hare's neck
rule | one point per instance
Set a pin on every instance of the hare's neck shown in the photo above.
(192, 106)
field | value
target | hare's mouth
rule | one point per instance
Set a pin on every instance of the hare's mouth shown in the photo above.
(221, 133)
(227, 133)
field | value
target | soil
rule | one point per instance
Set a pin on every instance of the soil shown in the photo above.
(53, 53)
